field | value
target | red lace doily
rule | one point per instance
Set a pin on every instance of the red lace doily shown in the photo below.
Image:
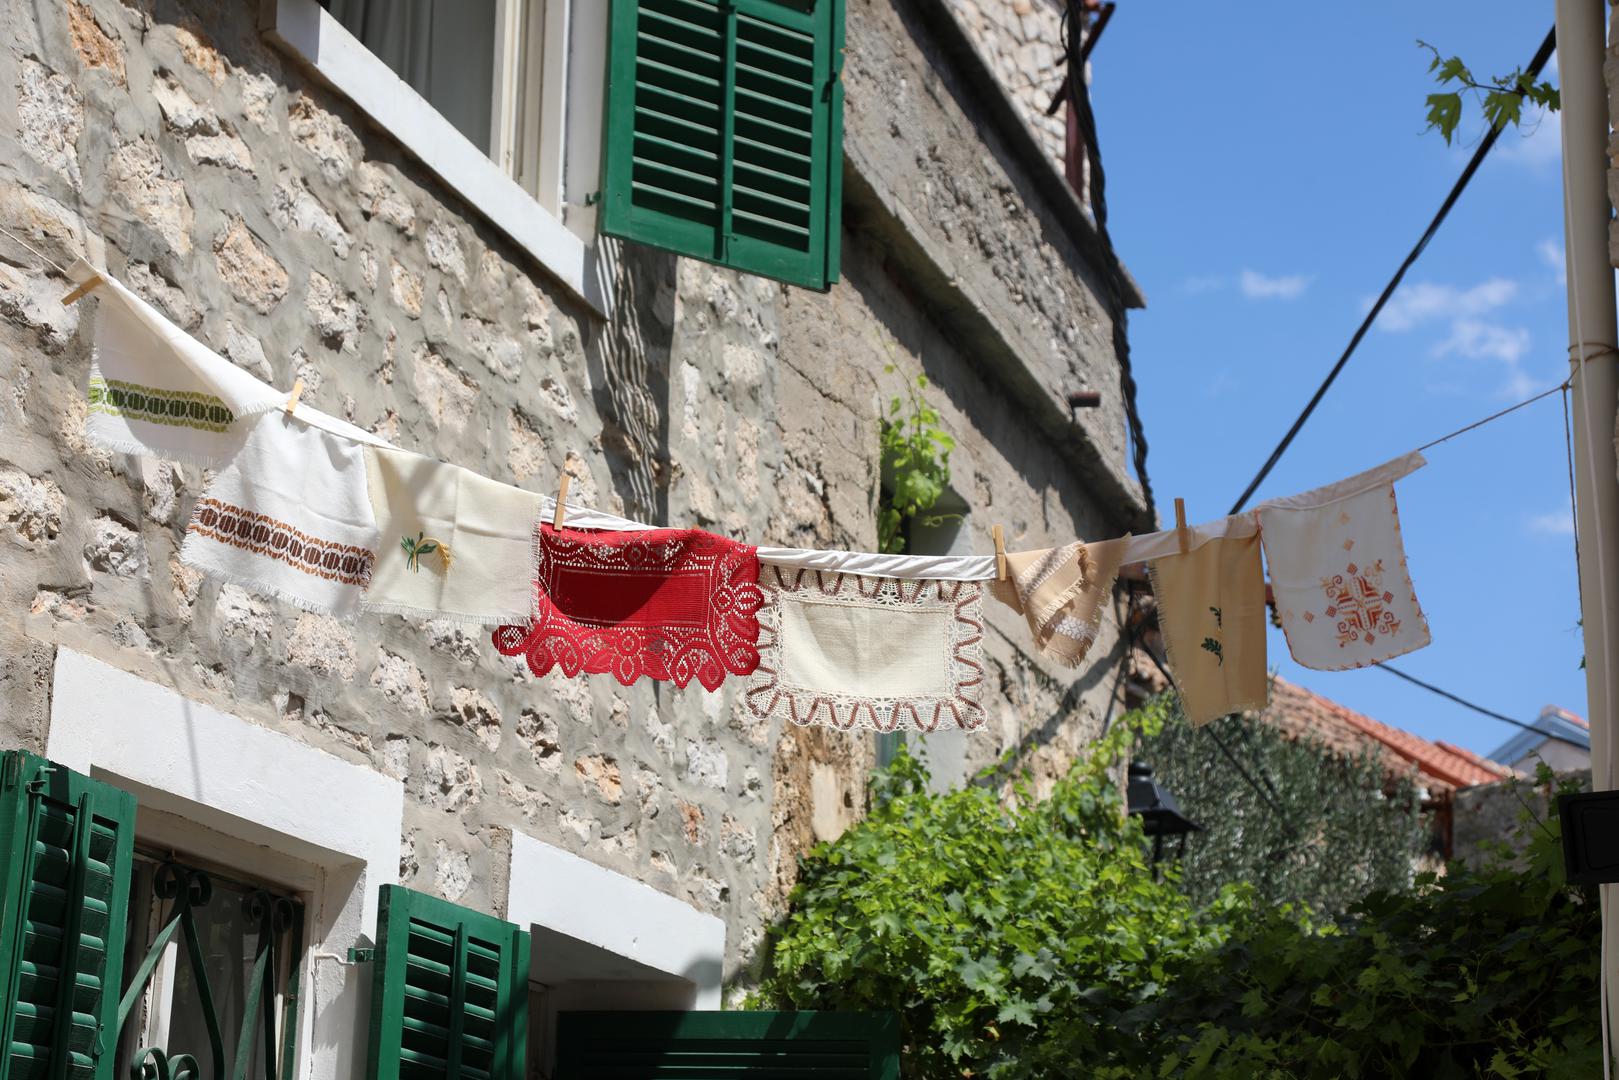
(671, 604)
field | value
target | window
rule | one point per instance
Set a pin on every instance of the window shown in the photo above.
(251, 937)
(724, 133)
(477, 62)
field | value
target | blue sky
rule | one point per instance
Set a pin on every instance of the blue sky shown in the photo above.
(1267, 171)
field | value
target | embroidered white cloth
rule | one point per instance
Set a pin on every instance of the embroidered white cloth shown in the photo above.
(288, 515)
(154, 389)
(1338, 571)
(453, 544)
(848, 651)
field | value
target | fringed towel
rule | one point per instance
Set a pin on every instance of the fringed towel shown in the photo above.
(453, 544)
(1211, 610)
(671, 604)
(1338, 571)
(154, 389)
(853, 652)
(1062, 591)
(288, 516)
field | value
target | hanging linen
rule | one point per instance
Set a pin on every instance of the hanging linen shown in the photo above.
(670, 604)
(1338, 571)
(849, 651)
(1211, 611)
(1061, 591)
(288, 515)
(154, 389)
(454, 544)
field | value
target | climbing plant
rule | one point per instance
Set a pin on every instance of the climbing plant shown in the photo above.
(915, 461)
(1290, 818)
(1500, 98)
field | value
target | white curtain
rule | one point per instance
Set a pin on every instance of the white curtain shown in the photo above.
(445, 50)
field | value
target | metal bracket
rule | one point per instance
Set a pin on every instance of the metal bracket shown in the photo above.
(361, 956)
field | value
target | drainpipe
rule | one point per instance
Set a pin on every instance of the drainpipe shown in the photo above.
(1581, 34)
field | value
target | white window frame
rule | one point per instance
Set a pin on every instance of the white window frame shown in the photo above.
(562, 134)
(602, 940)
(231, 790)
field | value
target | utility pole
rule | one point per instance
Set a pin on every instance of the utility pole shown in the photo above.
(1581, 40)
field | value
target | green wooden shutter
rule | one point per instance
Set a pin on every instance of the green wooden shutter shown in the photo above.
(450, 997)
(716, 1045)
(724, 133)
(66, 848)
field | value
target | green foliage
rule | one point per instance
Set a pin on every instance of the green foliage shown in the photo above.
(916, 451)
(1476, 972)
(1304, 826)
(1029, 939)
(1500, 98)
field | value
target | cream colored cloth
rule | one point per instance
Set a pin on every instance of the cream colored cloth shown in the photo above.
(478, 532)
(1062, 591)
(288, 517)
(154, 389)
(1211, 610)
(848, 651)
(1337, 568)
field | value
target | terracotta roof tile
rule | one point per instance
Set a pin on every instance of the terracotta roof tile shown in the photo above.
(1443, 768)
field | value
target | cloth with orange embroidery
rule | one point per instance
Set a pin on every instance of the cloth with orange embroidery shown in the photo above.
(670, 604)
(1211, 610)
(1338, 571)
(288, 516)
(1062, 591)
(849, 651)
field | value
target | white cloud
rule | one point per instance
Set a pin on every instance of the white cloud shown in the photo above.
(1479, 340)
(1556, 523)
(1537, 143)
(1551, 253)
(1257, 286)
(1414, 304)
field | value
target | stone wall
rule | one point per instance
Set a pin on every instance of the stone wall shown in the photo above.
(1492, 814)
(257, 208)
(1022, 40)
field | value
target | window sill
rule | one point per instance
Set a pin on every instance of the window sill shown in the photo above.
(305, 30)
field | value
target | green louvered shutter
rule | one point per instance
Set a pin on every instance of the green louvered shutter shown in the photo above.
(66, 848)
(724, 133)
(450, 997)
(718, 1045)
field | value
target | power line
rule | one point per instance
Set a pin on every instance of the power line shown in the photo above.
(1481, 710)
(1542, 55)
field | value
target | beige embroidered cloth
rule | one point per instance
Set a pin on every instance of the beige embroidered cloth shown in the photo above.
(1338, 571)
(848, 651)
(425, 507)
(1061, 591)
(1211, 610)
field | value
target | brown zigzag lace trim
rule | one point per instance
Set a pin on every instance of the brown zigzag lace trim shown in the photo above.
(264, 535)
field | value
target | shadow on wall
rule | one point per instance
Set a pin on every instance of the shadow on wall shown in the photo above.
(628, 360)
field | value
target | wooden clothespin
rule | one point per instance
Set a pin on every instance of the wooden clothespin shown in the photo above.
(81, 292)
(562, 497)
(1182, 536)
(292, 398)
(1000, 551)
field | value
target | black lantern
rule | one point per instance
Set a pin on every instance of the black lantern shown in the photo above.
(1159, 812)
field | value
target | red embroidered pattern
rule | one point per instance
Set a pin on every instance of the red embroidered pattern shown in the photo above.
(671, 604)
(264, 535)
(1359, 602)
(956, 706)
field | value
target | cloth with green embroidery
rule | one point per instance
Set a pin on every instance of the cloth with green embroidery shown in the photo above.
(1211, 611)
(154, 389)
(454, 544)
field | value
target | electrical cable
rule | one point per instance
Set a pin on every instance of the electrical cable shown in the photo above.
(1542, 55)
(1481, 710)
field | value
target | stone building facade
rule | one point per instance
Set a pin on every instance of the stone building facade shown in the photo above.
(193, 150)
